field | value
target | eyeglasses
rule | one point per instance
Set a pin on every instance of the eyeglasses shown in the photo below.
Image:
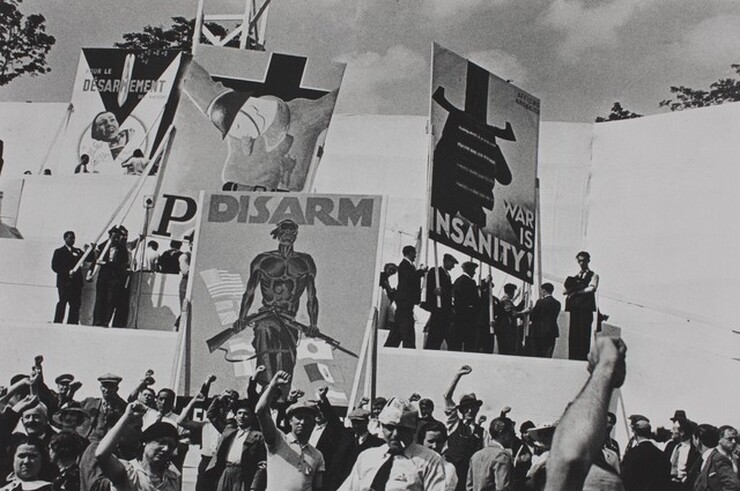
(731, 438)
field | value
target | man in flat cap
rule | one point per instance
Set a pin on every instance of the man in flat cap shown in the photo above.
(401, 461)
(104, 411)
(239, 459)
(293, 464)
(465, 435)
(466, 300)
(283, 276)
(154, 469)
(352, 444)
(439, 303)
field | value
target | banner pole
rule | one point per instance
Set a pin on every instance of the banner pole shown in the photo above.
(362, 361)
(137, 185)
(538, 224)
(374, 358)
(437, 295)
(64, 124)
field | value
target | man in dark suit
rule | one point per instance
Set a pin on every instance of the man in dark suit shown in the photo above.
(645, 467)
(350, 445)
(466, 301)
(113, 260)
(714, 469)
(240, 457)
(581, 303)
(408, 294)
(544, 323)
(680, 451)
(328, 429)
(506, 322)
(69, 282)
(439, 303)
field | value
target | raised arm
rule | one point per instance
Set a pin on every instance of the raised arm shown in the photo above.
(582, 429)
(185, 420)
(143, 384)
(111, 467)
(269, 430)
(327, 409)
(464, 370)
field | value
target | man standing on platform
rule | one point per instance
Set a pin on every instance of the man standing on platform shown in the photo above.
(544, 323)
(113, 260)
(439, 302)
(581, 303)
(466, 300)
(408, 294)
(69, 282)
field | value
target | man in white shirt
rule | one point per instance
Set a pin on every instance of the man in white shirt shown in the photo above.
(680, 452)
(400, 464)
(293, 464)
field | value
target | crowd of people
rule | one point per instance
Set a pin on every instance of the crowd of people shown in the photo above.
(110, 264)
(465, 315)
(268, 439)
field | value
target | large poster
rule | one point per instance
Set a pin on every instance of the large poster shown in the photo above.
(484, 165)
(121, 104)
(285, 281)
(257, 128)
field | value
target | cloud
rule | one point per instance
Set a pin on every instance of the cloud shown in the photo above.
(442, 9)
(500, 63)
(589, 26)
(368, 74)
(712, 43)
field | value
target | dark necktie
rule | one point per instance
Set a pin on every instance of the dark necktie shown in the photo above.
(383, 474)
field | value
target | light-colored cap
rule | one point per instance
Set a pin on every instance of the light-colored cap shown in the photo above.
(398, 412)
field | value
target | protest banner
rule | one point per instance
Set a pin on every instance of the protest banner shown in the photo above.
(484, 165)
(283, 280)
(122, 102)
(246, 125)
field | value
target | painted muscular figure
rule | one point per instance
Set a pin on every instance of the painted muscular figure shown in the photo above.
(283, 276)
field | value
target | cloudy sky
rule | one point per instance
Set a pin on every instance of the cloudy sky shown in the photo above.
(577, 56)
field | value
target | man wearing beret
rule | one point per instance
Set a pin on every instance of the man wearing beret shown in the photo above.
(293, 464)
(104, 411)
(154, 469)
(401, 461)
(439, 303)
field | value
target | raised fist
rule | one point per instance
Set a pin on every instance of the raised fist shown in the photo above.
(323, 391)
(464, 370)
(281, 377)
(259, 369)
(136, 409)
(609, 353)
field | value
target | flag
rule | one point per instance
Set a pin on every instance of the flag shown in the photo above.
(313, 372)
(336, 397)
(314, 348)
(226, 290)
(324, 370)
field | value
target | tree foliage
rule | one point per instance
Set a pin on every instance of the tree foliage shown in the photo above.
(617, 113)
(178, 36)
(721, 91)
(24, 42)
